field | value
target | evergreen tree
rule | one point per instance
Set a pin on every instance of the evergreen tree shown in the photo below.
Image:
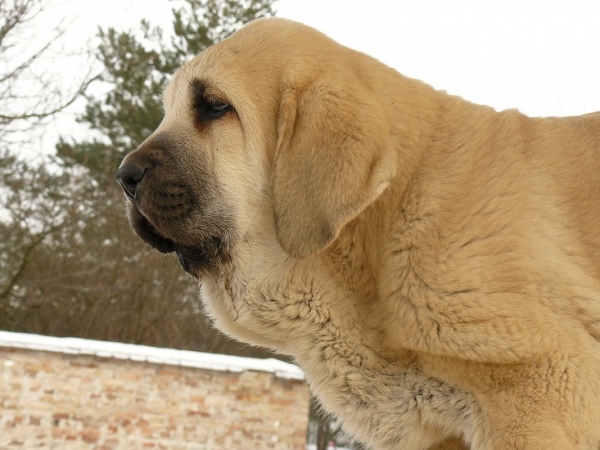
(137, 67)
(83, 272)
(74, 268)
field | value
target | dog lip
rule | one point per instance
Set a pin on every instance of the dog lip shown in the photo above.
(194, 259)
(160, 243)
(184, 262)
(197, 259)
(148, 233)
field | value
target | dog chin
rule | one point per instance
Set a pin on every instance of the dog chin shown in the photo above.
(196, 260)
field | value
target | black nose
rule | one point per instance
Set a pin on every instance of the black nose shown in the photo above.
(129, 176)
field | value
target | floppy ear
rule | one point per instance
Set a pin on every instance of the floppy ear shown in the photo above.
(334, 157)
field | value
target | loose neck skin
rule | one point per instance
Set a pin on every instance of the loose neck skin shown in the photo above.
(265, 274)
(318, 310)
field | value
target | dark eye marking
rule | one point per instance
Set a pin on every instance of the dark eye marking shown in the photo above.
(207, 108)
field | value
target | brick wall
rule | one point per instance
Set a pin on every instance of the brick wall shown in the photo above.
(75, 401)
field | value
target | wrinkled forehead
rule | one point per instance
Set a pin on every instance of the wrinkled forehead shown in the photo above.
(218, 69)
(250, 60)
(179, 89)
(249, 68)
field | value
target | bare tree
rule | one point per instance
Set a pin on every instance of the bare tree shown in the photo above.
(69, 263)
(29, 93)
(71, 266)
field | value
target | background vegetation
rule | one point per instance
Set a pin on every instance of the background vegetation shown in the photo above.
(69, 263)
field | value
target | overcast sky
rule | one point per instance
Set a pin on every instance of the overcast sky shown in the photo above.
(542, 57)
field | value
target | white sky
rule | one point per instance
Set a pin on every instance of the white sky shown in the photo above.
(540, 56)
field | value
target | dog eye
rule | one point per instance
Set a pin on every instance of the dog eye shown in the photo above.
(207, 111)
(218, 109)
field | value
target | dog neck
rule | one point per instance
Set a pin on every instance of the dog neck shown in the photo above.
(310, 310)
(261, 269)
(317, 309)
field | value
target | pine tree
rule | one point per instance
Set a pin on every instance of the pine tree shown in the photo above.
(137, 67)
(88, 275)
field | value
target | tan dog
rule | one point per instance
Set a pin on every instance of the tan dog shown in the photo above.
(432, 265)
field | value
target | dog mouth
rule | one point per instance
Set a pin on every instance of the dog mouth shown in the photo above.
(207, 255)
(175, 204)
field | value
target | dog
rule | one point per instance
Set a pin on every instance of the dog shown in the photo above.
(432, 265)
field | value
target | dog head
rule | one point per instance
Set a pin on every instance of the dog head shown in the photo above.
(276, 122)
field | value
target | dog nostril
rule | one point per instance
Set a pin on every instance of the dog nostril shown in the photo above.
(129, 176)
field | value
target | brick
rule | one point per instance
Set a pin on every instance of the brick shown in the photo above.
(81, 402)
(90, 436)
(35, 420)
(60, 416)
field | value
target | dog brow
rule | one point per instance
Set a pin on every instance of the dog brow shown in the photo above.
(206, 89)
(173, 89)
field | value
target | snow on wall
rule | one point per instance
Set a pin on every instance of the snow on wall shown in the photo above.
(153, 355)
(76, 394)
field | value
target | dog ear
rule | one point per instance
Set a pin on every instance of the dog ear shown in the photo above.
(334, 157)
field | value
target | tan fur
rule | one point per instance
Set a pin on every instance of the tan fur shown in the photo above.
(431, 264)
